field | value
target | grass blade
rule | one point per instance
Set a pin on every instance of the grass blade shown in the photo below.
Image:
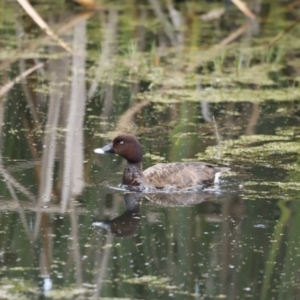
(42, 24)
(4, 89)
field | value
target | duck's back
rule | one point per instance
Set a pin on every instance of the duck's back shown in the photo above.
(182, 175)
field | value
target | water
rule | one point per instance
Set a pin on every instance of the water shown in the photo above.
(68, 232)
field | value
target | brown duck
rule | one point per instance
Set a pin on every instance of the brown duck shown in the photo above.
(178, 175)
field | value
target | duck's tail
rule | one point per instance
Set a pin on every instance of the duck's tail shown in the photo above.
(219, 171)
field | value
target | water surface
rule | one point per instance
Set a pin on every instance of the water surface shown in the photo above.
(188, 96)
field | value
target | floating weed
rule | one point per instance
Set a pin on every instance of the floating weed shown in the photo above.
(68, 293)
(155, 282)
(154, 158)
(289, 132)
(226, 94)
(15, 289)
(266, 150)
(275, 184)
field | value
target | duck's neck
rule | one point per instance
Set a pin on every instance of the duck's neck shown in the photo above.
(133, 174)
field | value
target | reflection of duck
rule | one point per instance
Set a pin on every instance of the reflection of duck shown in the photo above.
(127, 224)
(182, 199)
(177, 175)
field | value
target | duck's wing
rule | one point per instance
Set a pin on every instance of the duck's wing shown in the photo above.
(182, 175)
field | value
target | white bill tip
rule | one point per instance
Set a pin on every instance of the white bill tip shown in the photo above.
(99, 151)
(101, 224)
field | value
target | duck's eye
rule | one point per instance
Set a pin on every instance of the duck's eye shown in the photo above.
(121, 142)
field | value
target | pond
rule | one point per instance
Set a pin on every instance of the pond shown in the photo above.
(194, 81)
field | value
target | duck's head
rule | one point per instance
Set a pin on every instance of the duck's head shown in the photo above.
(125, 145)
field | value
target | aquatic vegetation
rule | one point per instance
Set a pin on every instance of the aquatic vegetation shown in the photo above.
(193, 80)
(272, 151)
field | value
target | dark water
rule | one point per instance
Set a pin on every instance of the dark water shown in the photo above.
(239, 240)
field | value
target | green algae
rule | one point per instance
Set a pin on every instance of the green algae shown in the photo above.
(191, 74)
(154, 157)
(225, 94)
(266, 150)
(152, 280)
(158, 283)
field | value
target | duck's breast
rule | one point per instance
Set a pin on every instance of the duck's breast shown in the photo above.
(181, 175)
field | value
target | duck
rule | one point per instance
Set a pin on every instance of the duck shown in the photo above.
(174, 175)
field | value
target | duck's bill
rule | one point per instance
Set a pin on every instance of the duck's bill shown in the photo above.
(106, 149)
